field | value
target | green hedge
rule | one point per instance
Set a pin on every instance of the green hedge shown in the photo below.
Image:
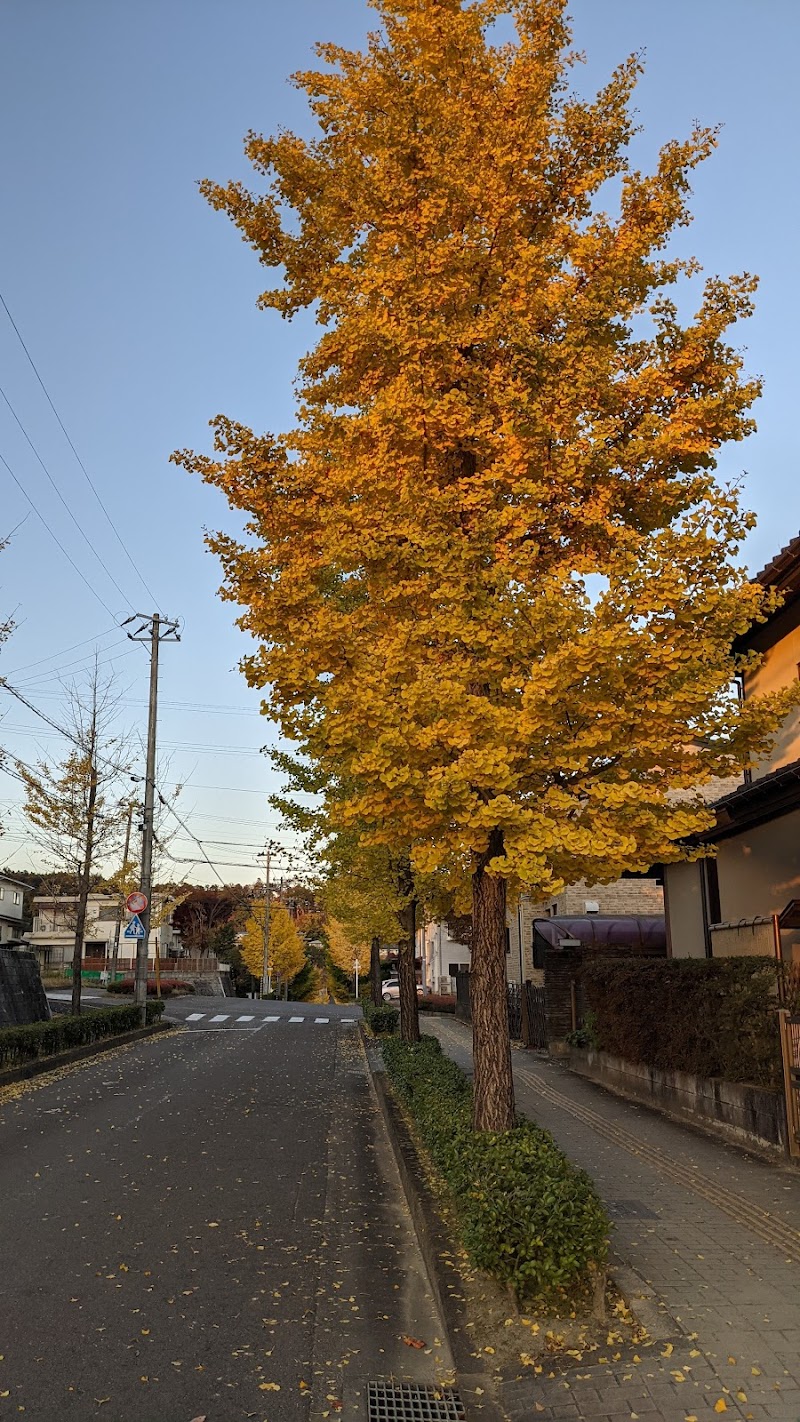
(712, 1017)
(44, 1039)
(380, 1020)
(526, 1214)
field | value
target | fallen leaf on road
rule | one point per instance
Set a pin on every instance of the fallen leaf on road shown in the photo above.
(412, 1342)
(270, 1387)
(202, 1419)
(101, 1400)
(720, 1405)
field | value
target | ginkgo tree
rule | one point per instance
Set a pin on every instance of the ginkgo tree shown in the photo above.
(285, 954)
(491, 572)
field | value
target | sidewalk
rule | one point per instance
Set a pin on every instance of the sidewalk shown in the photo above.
(714, 1233)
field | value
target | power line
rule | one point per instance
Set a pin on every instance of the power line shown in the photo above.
(55, 655)
(55, 538)
(81, 464)
(60, 496)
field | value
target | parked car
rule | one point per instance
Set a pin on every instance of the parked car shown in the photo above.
(390, 990)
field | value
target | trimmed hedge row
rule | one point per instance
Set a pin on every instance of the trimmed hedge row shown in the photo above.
(711, 1017)
(380, 1019)
(525, 1213)
(44, 1039)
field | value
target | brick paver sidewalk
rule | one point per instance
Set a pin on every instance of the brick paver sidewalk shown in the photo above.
(712, 1232)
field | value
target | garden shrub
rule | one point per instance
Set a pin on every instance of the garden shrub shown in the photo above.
(437, 1002)
(43, 1039)
(526, 1215)
(712, 1017)
(381, 1020)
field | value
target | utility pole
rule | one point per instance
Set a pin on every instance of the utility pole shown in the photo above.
(155, 630)
(265, 964)
(118, 925)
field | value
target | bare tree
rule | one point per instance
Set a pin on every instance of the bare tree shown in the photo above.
(77, 806)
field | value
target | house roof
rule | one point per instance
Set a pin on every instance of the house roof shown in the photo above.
(19, 883)
(764, 799)
(782, 574)
(783, 568)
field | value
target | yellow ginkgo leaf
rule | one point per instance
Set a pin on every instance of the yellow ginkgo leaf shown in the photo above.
(720, 1405)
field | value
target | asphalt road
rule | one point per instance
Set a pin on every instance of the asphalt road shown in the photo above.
(208, 1224)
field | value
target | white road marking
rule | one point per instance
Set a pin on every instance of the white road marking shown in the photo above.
(322, 1019)
(221, 1017)
(270, 1019)
(195, 1016)
(297, 1019)
(244, 1019)
(347, 1019)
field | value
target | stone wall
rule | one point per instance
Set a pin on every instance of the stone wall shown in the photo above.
(748, 1115)
(22, 997)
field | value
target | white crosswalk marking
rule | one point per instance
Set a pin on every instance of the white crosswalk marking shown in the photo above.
(296, 1019)
(195, 1016)
(222, 1017)
(244, 1019)
(270, 1019)
(347, 1019)
(322, 1019)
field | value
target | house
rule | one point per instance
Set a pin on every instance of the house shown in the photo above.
(746, 899)
(52, 937)
(443, 954)
(11, 908)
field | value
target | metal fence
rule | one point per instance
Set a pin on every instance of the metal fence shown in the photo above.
(526, 1010)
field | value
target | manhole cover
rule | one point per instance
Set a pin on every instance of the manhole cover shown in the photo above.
(631, 1210)
(410, 1402)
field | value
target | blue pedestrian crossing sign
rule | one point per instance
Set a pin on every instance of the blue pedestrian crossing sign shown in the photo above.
(135, 928)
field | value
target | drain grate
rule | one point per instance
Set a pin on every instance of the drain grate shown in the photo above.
(631, 1210)
(410, 1402)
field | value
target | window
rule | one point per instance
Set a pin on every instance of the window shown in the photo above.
(453, 969)
(2, 892)
(16, 897)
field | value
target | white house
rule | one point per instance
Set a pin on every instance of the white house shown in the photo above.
(53, 935)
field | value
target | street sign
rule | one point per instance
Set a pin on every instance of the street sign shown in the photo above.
(135, 928)
(136, 902)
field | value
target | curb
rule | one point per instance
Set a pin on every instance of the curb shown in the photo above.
(42, 1065)
(475, 1384)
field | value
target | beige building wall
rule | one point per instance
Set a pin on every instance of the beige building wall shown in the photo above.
(778, 669)
(759, 869)
(683, 897)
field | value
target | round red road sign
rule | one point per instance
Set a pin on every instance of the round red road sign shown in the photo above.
(136, 903)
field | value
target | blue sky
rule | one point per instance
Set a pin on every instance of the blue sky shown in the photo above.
(138, 305)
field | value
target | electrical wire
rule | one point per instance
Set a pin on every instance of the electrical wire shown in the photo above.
(81, 464)
(55, 538)
(60, 496)
(54, 656)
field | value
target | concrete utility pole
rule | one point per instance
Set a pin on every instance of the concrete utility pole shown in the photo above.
(155, 630)
(265, 964)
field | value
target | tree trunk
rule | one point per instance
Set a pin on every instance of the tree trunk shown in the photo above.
(407, 977)
(493, 1083)
(375, 972)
